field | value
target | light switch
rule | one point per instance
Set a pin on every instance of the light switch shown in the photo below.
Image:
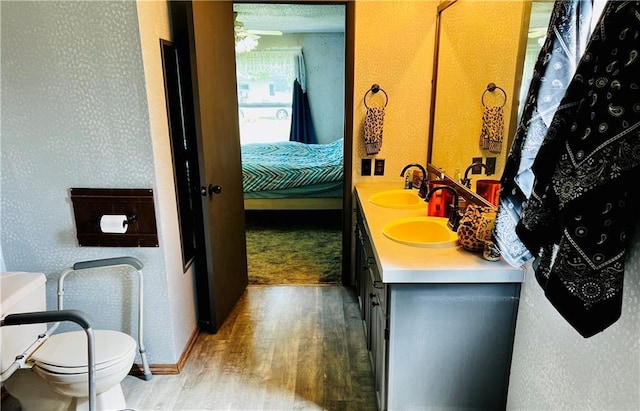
(491, 165)
(365, 169)
(476, 169)
(379, 170)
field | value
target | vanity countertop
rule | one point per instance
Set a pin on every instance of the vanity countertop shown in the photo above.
(399, 263)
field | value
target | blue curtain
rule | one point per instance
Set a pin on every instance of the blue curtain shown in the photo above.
(302, 129)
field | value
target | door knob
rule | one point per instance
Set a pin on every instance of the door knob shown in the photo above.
(214, 189)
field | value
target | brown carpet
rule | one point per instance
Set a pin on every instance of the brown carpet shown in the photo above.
(294, 247)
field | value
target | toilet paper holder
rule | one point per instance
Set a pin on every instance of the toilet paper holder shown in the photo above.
(117, 224)
(135, 206)
(131, 218)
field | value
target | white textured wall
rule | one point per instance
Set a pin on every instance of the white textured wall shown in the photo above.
(153, 18)
(324, 60)
(554, 368)
(75, 114)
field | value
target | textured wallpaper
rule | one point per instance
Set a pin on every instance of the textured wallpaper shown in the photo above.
(554, 368)
(394, 48)
(479, 44)
(74, 114)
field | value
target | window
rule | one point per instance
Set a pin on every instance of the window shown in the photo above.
(265, 88)
(539, 21)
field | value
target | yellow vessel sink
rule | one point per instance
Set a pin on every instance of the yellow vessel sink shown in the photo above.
(397, 199)
(427, 232)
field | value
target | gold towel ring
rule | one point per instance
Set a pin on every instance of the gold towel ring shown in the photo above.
(374, 89)
(491, 87)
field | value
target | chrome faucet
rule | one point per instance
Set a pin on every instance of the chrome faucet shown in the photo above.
(423, 184)
(466, 181)
(454, 217)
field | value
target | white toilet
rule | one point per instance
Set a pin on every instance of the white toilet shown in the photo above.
(58, 373)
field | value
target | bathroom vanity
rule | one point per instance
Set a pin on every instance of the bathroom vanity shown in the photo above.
(439, 321)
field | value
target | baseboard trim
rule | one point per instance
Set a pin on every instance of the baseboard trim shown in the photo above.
(169, 369)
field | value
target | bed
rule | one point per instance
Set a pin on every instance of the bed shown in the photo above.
(291, 176)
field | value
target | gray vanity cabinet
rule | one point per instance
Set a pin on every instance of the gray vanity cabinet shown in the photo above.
(444, 346)
(372, 296)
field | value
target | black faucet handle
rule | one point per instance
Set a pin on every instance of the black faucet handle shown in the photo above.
(424, 189)
(454, 219)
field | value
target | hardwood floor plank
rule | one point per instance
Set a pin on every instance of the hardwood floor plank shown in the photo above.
(282, 348)
(310, 371)
(337, 383)
(358, 355)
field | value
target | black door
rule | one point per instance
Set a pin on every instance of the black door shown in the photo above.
(203, 34)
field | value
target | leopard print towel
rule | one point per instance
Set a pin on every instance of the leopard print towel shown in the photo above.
(373, 123)
(492, 128)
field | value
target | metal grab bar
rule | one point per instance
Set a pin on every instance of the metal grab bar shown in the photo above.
(76, 316)
(109, 262)
(131, 262)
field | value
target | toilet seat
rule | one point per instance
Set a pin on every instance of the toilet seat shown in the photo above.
(66, 353)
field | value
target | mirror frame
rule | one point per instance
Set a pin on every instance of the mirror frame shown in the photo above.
(469, 195)
(434, 77)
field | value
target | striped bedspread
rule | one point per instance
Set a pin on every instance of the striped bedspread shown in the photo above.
(277, 166)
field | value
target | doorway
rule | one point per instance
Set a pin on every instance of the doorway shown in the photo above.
(220, 271)
(291, 71)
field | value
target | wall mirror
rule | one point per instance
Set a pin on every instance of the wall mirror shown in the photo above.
(480, 43)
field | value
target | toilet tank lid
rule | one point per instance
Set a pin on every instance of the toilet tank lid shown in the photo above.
(15, 286)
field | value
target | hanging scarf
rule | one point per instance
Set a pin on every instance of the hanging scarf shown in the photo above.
(585, 200)
(564, 44)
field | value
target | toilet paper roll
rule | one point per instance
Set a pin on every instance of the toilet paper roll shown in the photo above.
(116, 224)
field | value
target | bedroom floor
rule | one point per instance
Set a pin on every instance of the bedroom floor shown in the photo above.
(294, 247)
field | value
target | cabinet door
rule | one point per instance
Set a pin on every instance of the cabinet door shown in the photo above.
(379, 351)
(358, 267)
(369, 292)
(367, 310)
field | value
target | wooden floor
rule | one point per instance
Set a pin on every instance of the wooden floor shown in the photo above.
(282, 348)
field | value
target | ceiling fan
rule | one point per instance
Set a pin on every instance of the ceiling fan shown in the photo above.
(241, 32)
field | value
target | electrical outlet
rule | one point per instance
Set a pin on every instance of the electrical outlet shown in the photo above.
(491, 165)
(476, 169)
(379, 170)
(365, 169)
